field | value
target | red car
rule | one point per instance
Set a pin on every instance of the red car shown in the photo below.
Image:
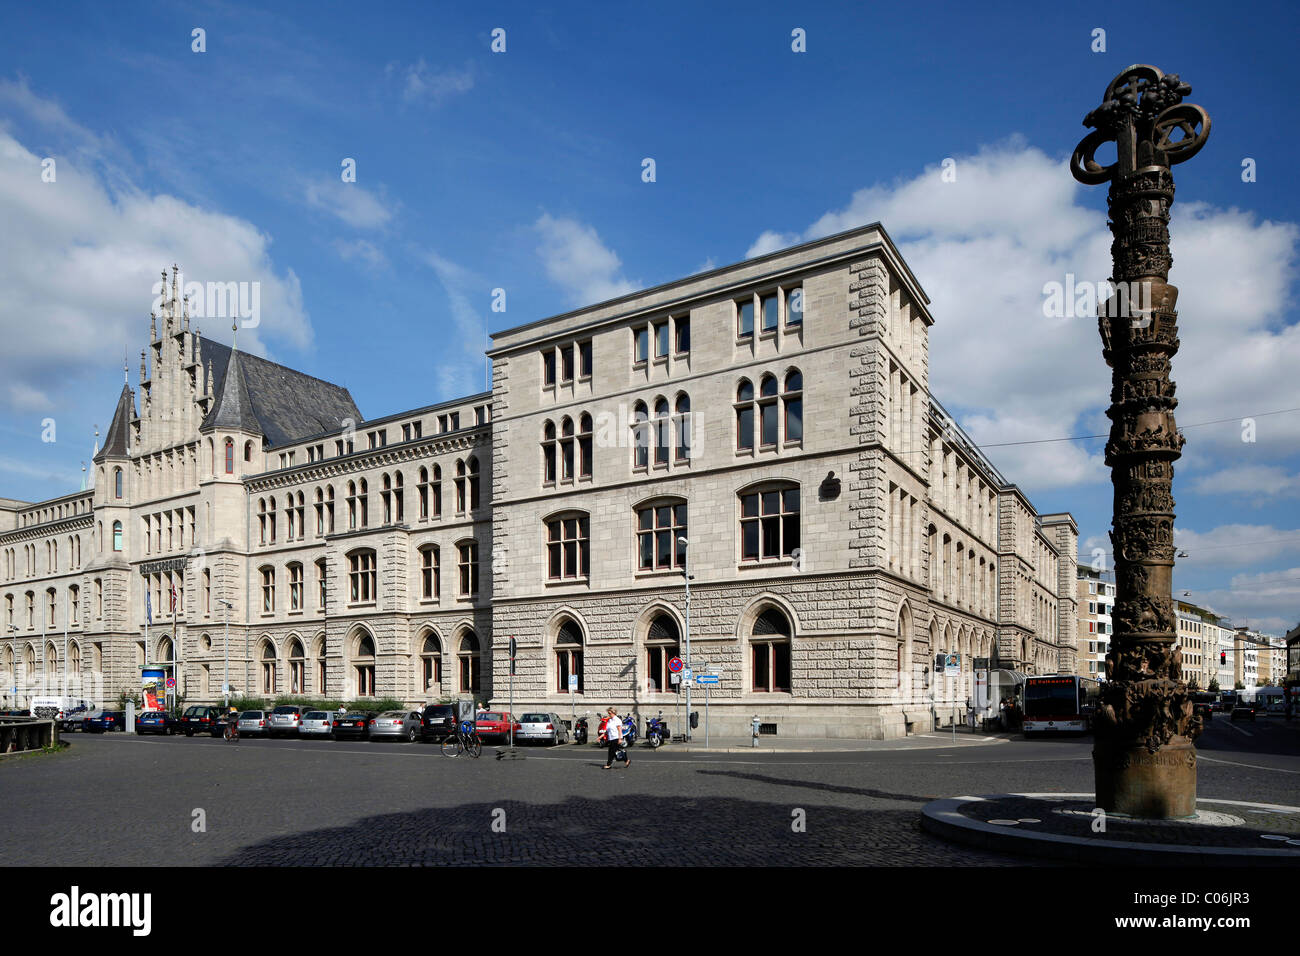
(495, 724)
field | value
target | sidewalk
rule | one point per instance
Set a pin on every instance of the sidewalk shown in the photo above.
(791, 745)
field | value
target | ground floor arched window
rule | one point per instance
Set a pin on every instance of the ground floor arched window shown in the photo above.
(568, 655)
(662, 644)
(769, 646)
(430, 663)
(364, 667)
(297, 668)
(468, 660)
(269, 662)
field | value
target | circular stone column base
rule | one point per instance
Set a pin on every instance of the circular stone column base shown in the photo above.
(1069, 827)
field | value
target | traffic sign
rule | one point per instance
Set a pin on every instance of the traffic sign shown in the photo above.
(674, 678)
(573, 683)
(675, 665)
(171, 683)
(686, 674)
(709, 679)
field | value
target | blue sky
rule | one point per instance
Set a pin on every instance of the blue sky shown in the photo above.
(522, 170)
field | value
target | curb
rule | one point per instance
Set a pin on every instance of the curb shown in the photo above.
(944, 819)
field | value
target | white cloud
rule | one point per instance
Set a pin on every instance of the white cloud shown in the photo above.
(984, 246)
(1253, 481)
(577, 261)
(460, 368)
(353, 204)
(78, 260)
(1267, 601)
(361, 250)
(1235, 545)
(422, 84)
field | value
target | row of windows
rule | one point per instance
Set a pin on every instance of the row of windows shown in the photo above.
(769, 308)
(72, 602)
(57, 512)
(558, 363)
(392, 496)
(173, 524)
(51, 557)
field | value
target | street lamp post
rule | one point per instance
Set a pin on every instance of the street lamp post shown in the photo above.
(1144, 760)
(225, 646)
(686, 573)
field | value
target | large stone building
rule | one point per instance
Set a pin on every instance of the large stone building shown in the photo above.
(776, 414)
(1096, 595)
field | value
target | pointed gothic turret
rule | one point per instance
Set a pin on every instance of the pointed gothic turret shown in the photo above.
(208, 379)
(153, 326)
(117, 441)
(233, 408)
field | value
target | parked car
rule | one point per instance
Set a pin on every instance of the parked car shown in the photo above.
(156, 722)
(317, 723)
(202, 719)
(437, 722)
(396, 723)
(495, 724)
(104, 721)
(285, 720)
(537, 726)
(1243, 711)
(353, 724)
(71, 722)
(15, 713)
(252, 723)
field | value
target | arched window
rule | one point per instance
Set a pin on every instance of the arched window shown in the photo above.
(584, 446)
(683, 420)
(295, 586)
(319, 503)
(261, 521)
(473, 483)
(268, 590)
(566, 449)
(430, 663)
(230, 456)
(662, 431)
(117, 482)
(74, 604)
(468, 660)
(364, 666)
(744, 415)
(769, 646)
(460, 487)
(269, 662)
(640, 435)
(270, 518)
(467, 565)
(904, 662)
(568, 655)
(399, 498)
(767, 410)
(248, 451)
(662, 645)
(793, 399)
(363, 499)
(352, 505)
(435, 492)
(422, 492)
(769, 522)
(386, 497)
(117, 536)
(297, 666)
(550, 454)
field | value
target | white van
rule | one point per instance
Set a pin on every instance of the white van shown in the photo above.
(57, 708)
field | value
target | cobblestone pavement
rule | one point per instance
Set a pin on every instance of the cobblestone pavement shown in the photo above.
(123, 800)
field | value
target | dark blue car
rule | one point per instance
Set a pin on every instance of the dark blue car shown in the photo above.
(156, 722)
(106, 721)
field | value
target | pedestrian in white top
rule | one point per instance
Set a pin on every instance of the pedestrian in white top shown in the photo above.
(614, 739)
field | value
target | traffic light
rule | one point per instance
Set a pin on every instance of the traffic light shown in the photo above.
(1223, 658)
(695, 719)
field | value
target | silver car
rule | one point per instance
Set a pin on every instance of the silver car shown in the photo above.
(396, 723)
(316, 723)
(252, 723)
(285, 719)
(537, 726)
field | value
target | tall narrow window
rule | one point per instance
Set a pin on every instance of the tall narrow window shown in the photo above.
(767, 409)
(548, 369)
(641, 338)
(745, 416)
(268, 590)
(794, 306)
(429, 577)
(662, 431)
(640, 435)
(662, 645)
(117, 482)
(771, 307)
(661, 339)
(566, 363)
(770, 652)
(550, 453)
(460, 487)
(117, 536)
(584, 359)
(683, 331)
(467, 561)
(568, 656)
(745, 317)
(584, 446)
(566, 449)
(322, 587)
(295, 587)
(793, 400)
(468, 661)
(683, 420)
(473, 483)
(230, 456)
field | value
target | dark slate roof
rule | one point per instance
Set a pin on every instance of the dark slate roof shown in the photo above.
(284, 405)
(115, 442)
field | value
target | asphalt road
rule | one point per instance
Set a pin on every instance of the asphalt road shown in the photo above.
(124, 800)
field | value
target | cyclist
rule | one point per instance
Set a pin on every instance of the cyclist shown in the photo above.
(232, 724)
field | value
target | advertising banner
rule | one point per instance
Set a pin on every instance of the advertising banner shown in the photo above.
(153, 688)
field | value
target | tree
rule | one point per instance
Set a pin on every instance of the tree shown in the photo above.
(1193, 684)
(1214, 685)
(1239, 686)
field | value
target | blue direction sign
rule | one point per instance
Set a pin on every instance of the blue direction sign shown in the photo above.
(708, 679)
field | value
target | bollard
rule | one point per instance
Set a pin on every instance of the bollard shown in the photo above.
(754, 726)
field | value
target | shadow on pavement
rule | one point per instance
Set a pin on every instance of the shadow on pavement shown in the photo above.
(640, 830)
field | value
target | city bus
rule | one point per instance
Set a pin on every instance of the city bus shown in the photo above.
(1059, 702)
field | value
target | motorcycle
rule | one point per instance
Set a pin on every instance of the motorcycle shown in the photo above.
(656, 730)
(580, 730)
(629, 732)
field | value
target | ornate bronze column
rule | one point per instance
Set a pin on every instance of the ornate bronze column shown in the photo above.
(1144, 759)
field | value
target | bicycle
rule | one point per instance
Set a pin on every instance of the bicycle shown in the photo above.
(231, 732)
(462, 741)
